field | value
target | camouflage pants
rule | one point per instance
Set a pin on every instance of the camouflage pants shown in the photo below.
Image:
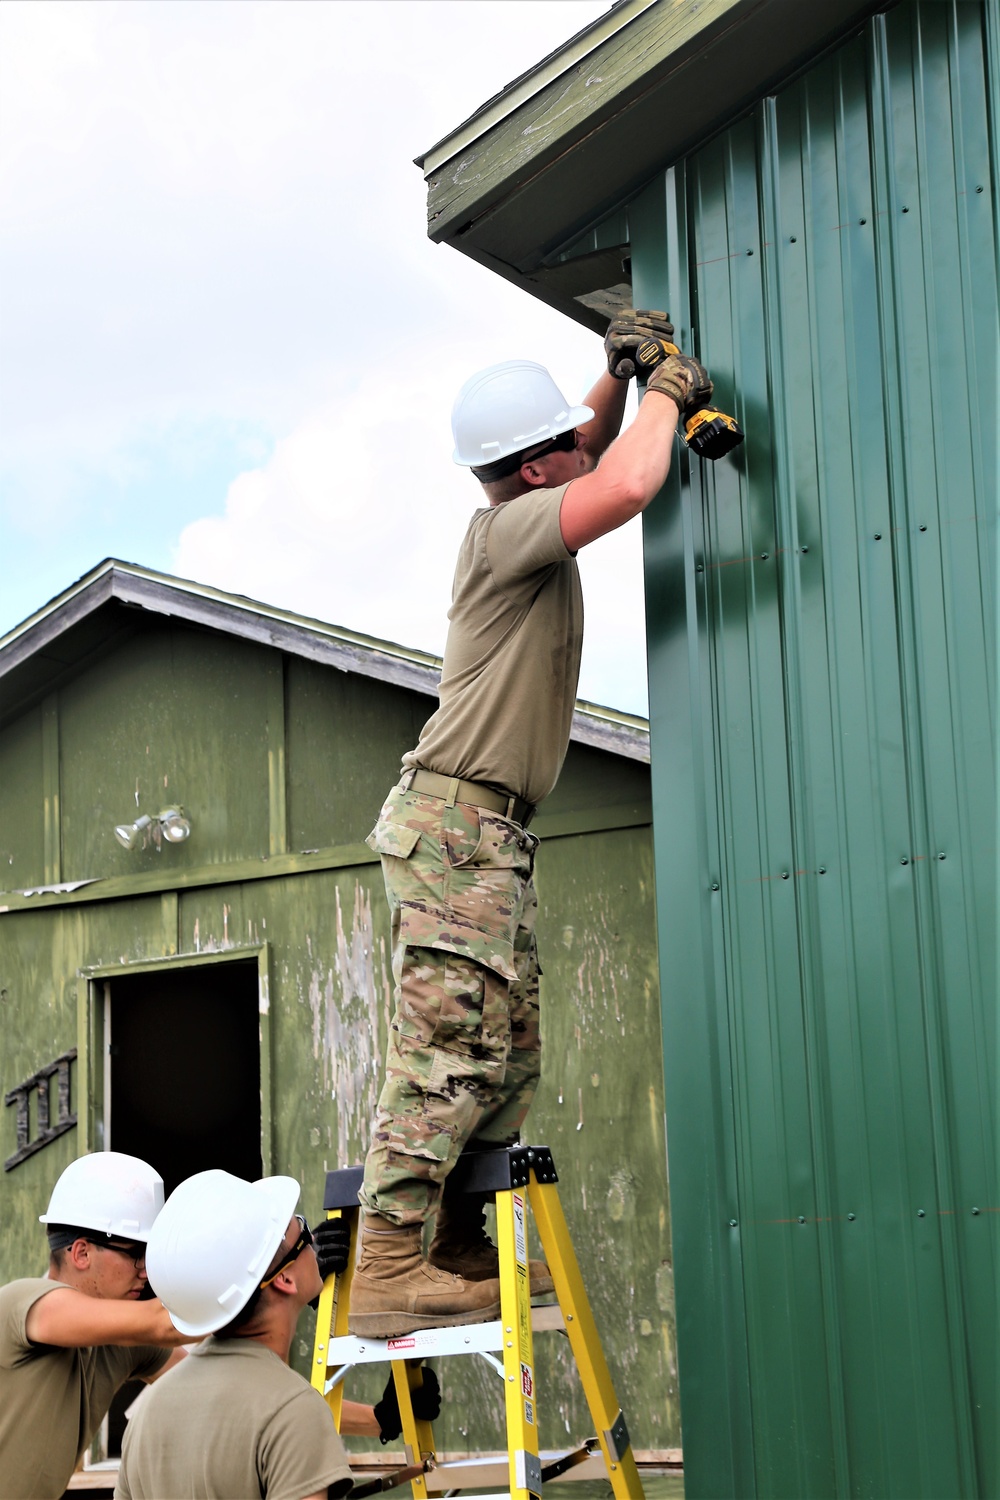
(464, 1048)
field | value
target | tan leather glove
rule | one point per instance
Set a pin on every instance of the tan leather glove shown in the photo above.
(684, 380)
(627, 331)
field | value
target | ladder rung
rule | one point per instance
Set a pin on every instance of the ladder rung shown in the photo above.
(430, 1343)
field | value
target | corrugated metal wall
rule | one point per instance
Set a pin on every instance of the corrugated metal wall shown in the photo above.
(822, 663)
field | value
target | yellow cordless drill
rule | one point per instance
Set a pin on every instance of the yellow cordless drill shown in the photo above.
(709, 432)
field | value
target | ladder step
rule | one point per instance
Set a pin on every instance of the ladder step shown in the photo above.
(427, 1343)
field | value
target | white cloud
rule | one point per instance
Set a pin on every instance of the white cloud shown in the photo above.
(209, 224)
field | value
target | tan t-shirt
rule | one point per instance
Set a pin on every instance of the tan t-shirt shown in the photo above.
(232, 1421)
(512, 660)
(52, 1400)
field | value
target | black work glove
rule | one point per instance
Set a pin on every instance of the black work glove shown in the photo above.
(627, 331)
(684, 380)
(426, 1401)
(332, 1242)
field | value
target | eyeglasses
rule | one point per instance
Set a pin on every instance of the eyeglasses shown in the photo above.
(132, 1250)
(565, 442)
(304, 1240)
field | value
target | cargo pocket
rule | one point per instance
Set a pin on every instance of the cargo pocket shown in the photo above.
(394, 839)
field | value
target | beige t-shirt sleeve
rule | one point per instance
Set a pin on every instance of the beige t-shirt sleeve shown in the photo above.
(300, 1450)
(524, 539)
(15, 1305)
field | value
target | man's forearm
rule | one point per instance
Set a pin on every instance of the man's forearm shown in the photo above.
(607, 400)
(357, 1420)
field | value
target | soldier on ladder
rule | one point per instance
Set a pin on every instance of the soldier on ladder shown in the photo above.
(464, 1050)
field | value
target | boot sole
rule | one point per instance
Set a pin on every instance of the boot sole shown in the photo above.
(392, 1325)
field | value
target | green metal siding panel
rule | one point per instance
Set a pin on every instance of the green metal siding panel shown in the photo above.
(822, 664)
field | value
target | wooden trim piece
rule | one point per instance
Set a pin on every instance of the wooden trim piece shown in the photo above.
(128, 887)
(50, 790)
(277, 786)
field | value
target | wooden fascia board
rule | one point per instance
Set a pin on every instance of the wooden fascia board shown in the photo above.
(592, 138)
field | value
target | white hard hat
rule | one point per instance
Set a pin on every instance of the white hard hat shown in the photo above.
(509, 407)
(108, 1192)
(212, 1244)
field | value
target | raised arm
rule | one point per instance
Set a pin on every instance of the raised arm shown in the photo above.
(634, 468)
(607, 400)
(630, 474)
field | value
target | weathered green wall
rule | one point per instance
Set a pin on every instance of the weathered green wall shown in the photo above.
(272, 755)
(822, 638)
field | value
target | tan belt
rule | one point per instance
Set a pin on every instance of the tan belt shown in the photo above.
(472, 792)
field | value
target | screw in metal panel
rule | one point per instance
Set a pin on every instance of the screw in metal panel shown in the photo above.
(905, 209)
(749, 252)
(700, 568)
(852, 1217)
(763, 557)
(715, 885)
(822, 869)
(942, 856)
(732, 1223)
(975, 1210)
(904, 860)
(878, 536)
(802, 1218)
(791, 239)
(921, 1213)
(784, 874)
(922, 528)
(803, 549)
(862, 221)
(978, 189)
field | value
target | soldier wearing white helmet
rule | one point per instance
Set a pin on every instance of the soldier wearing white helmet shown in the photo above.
(71, 1339)
(457, 858)
(235, 1266)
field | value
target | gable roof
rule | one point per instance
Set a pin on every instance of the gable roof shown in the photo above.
(59, 640)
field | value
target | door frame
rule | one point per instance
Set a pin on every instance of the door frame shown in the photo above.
(92, 1047)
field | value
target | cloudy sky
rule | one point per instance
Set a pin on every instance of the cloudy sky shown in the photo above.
(229, 350)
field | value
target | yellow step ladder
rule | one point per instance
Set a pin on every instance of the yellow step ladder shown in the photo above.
(520, 1176)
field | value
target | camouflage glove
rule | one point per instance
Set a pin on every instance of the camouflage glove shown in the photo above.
(332, 1242)
(425, 1399)
(627, 331)
(684, 380)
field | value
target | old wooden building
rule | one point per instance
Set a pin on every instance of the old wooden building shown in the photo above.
(218, 993)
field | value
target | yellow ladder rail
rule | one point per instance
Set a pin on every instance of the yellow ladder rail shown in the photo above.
(520, 1178)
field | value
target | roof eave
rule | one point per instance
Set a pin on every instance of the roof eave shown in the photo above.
(592, 125)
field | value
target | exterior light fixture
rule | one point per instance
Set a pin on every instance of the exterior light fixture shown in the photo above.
(171, 824)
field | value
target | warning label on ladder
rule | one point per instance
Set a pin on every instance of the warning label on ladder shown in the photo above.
(520, 1233)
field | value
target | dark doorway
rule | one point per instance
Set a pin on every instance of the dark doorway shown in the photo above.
(185, 1069)
(184, 1083)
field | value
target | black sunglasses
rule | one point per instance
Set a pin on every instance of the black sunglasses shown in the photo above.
(304, 1240)
(132, 1250)
(564, 443)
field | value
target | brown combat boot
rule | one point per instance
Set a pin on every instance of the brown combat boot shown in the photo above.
(395, 1291)
(461, 1244)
